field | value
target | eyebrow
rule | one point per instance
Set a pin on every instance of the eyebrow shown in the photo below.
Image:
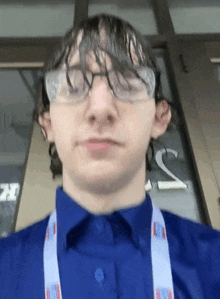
(78, 66)
(75, 66)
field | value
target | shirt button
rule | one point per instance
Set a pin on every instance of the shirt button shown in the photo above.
(99, 275)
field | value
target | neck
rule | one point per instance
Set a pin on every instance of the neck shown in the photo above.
(107, 197)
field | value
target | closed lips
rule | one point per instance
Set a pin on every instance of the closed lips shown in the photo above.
(96, 140)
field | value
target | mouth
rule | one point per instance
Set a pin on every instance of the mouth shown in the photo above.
(104, 140)
(99, 146)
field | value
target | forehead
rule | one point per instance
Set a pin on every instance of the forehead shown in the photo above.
(91, 63)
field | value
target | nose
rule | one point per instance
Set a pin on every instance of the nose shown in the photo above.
(101, 101)
(101, 94)
(100, 88)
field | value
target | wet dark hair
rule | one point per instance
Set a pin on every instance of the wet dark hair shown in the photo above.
(119, 39)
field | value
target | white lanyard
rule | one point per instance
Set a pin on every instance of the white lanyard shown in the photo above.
(161, 268)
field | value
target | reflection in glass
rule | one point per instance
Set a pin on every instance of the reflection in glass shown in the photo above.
(17, 90)
(171, 181)
(218, 71)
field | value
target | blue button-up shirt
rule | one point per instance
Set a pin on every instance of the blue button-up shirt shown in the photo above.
(108, 256)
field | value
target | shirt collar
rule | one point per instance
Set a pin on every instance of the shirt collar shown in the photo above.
(70, 214)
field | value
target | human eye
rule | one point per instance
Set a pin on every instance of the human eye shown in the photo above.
(75, 85)
(119, 81)
(73, 90)
(75, 79)
(128, 82)
(128, 86)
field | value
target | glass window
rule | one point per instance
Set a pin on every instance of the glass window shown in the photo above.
(171, 184)
(17, 89)
(216, 64)
(218, 70)
(195, 16)
(137, 12)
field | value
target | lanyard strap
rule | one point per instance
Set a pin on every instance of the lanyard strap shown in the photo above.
(161, 267)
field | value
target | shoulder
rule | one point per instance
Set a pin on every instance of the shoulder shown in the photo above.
(187, 227)
(191, 234)
(196, 247)
(20, 251)
(192, 237)
(14, 245)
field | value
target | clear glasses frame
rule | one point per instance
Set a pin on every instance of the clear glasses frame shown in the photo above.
(132, 86)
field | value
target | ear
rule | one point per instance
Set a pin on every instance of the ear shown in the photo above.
(46, 126)
(161, 120)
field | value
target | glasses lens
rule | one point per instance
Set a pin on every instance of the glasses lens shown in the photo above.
(52, 85)
(61, 89)
(129, 87)
(147, 75)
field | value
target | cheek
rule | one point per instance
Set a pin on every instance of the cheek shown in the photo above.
(63, 130)
(140, 127)
(141, 122)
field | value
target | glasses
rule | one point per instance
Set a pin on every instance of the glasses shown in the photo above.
(129, 86)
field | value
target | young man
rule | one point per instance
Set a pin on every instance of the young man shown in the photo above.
(101, 106)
